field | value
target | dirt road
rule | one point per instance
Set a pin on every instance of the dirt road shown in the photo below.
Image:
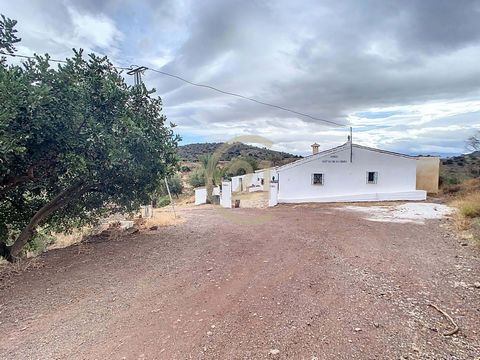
(282, 283)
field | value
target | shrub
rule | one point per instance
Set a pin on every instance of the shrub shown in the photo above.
(449, 179)
(197, 178)
(185, 168)
(469, 206)
(175, 185)
(39, 243)
(451, 189)
(163, 201)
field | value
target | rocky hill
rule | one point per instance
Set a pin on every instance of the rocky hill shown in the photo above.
(192, 152)
(458, 168)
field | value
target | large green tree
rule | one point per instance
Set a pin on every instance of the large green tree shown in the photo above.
(76, 142)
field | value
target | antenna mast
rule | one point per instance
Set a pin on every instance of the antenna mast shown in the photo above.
(351, 144)
(137, 74)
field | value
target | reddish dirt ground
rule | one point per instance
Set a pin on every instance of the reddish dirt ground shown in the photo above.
(282, 283)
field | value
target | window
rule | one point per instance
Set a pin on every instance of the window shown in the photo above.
(317, 179)
(372, 177)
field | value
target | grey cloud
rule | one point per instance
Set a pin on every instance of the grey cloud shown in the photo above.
(328, 58)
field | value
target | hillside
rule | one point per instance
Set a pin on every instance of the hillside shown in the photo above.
(192, 152)
(458, 168)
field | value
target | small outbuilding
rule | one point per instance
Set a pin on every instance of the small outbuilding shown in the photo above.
(256, 181)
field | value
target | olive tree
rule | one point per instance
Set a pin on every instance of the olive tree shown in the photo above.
(76, 142)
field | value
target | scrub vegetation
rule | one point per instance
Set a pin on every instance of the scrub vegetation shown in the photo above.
(466, 199)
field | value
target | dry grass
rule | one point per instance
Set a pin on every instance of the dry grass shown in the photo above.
(467, 201)
(460, 223)
(469, 206)
(185, 200)
(64, 240)
(163, 217)
(466, 187)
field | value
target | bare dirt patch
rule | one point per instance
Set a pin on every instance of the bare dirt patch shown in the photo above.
(413, 212)
(305, 282)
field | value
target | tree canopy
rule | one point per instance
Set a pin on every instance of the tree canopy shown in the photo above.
(76, 142)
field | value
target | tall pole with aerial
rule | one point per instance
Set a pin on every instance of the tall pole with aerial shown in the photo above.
(137, 80)
(137, 74)
(351, 144)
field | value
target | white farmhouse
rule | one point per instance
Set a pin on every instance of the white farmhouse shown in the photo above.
(346, 173)
(349, 172)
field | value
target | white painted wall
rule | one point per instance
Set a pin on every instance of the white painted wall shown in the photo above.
(237, 183)
(226, 194)
(264, 174)
(244, 182)
(200, 196)
(273, 194)
(347, 181)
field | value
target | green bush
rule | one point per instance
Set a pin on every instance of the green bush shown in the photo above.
(175, 185)
(163, 201)
(185, 168)
(448, 179)
(39, 243)
(197, 178)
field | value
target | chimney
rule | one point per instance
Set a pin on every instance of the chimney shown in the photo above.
(315, 148)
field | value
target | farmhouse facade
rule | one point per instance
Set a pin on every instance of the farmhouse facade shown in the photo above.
(346, 173)
(349, 172)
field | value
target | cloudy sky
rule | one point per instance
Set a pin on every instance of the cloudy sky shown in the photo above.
(405, 74)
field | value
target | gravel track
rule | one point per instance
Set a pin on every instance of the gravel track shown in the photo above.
(291, 282)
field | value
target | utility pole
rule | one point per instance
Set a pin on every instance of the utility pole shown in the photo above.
(137, 74)
(137, 80)
(351, 144)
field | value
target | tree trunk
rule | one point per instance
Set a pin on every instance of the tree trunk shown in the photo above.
(13, 251)
(209, 186)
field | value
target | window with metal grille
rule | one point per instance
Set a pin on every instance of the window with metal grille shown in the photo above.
(317, 179)
(372, 177)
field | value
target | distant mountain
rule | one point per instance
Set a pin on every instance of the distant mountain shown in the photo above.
(192, 152)
(461, 167)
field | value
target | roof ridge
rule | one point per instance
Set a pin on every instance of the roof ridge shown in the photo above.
(310, 157)
(383, 151)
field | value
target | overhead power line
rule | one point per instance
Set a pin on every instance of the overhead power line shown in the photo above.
(246, 98)
(210, 88)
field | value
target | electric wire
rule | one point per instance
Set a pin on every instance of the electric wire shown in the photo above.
(246, 98)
